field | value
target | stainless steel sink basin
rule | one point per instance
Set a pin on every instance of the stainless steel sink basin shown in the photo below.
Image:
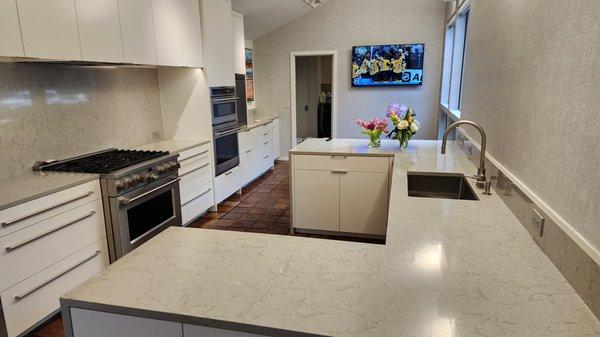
(440, 185)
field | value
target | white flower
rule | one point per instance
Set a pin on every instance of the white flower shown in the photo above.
(414, 126)
(403, 124)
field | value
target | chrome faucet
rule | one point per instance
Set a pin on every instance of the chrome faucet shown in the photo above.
(481, 178)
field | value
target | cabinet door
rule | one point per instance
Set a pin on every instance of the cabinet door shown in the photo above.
(239, 41)
(137, 31)
(276, 152)
(89, 323)
(99, 30)
(364, 202)
(217, 38)
(167, 31)
(316, 200)
(10, 32)
(191, 34)
(202, 331)
(49, 29)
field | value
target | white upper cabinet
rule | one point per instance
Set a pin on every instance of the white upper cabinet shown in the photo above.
(49, 29)
(137, 31)
(99, 30)
(167, 31)
(10, 32)
(239, 42)
(178, 32)
(217, 33)
(191, 34)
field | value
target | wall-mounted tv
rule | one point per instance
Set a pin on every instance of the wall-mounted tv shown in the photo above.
(387, 65)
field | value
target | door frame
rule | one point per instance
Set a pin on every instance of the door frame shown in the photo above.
(293, 56)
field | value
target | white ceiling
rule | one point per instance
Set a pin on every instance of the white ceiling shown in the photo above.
(264, 16)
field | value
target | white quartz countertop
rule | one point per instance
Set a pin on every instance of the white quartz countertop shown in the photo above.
(173, 145)
(449, 268)
(32, 185)
(256, 123)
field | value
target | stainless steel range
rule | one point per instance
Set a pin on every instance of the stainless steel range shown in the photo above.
(140, 193)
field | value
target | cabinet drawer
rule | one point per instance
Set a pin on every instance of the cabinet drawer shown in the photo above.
(247, 140)
(197, 153)
(28, 302)
(25, 252)
(227, 184)
(195, 178)
(26, 214)
(341, 163)
(196, 202)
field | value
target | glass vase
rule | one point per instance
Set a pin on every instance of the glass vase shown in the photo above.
(374, 142)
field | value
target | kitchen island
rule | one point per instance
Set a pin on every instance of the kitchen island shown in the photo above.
(448, 268)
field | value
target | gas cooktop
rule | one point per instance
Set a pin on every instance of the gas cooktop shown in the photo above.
(106, 161)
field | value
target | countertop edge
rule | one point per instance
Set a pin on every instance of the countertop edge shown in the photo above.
(38, 195)
(254, 126)
(67, 303)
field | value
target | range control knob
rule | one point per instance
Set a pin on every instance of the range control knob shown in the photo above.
(161, 168)
(152, 176)
(129, 183)
(138, 179)
(121, 186)
(173, 166)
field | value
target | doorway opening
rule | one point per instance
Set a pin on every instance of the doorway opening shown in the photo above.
(313, 95)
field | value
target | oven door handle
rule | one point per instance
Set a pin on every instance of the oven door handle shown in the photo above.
(126, 201)
(226, 133)
(225, 100)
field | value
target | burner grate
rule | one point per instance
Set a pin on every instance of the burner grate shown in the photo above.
(104, 162)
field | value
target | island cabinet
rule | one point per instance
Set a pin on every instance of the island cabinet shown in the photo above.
(340, 193)
(91, 323)
(48, 246)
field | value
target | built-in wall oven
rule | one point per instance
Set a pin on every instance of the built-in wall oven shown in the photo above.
(224, 106)
(225, 128)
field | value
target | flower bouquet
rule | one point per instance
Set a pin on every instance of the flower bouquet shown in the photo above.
(373, 129)
(405, 125)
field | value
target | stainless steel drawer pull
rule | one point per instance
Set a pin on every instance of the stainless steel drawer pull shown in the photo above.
(193, 156)
(39, 236)
(248, 151)
(38, 287)
(339, 156)
(339, 171)
(196, 197)
(265, 143)
(30, 215)
(266, 157)
(129, 201)
(194, 170)
(266, 133)
(228, 173)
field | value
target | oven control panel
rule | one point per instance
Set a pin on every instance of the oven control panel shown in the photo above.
(146, 176)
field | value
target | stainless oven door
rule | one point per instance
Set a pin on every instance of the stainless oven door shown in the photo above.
(139, 215)
(224, 110)
(227, 155)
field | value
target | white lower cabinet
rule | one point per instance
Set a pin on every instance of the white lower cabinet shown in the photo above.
(364, 202)
(196, 185)
(227, 184)
(91, 323)
(33, 299)
(48, 246)
(316, 196)
(341, 193)
(257, 152)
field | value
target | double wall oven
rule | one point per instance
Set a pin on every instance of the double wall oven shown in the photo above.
(225, 128)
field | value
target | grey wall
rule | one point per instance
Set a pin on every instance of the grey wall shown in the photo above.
(339, 25)
(53, 111)
(531, 79)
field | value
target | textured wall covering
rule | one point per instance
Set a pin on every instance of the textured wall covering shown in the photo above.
(339, 25)
(532, 79)
(53, 111)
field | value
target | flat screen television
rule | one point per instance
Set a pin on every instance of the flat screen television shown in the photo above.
(387, 65)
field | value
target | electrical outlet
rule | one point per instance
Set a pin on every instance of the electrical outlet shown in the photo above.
(155, 135)
(538, 221)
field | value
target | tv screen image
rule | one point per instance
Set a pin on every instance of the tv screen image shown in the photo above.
(387, 65)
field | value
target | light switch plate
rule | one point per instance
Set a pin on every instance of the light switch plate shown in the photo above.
(538, 221)
(155, 135)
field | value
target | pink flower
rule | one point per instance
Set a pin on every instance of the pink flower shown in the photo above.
(373, 124)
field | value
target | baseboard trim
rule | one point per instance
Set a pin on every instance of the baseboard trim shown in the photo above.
(283, 159)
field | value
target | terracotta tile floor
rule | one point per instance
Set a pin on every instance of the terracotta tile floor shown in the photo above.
(263, 207)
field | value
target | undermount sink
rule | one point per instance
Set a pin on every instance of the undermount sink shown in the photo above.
(440, 185)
